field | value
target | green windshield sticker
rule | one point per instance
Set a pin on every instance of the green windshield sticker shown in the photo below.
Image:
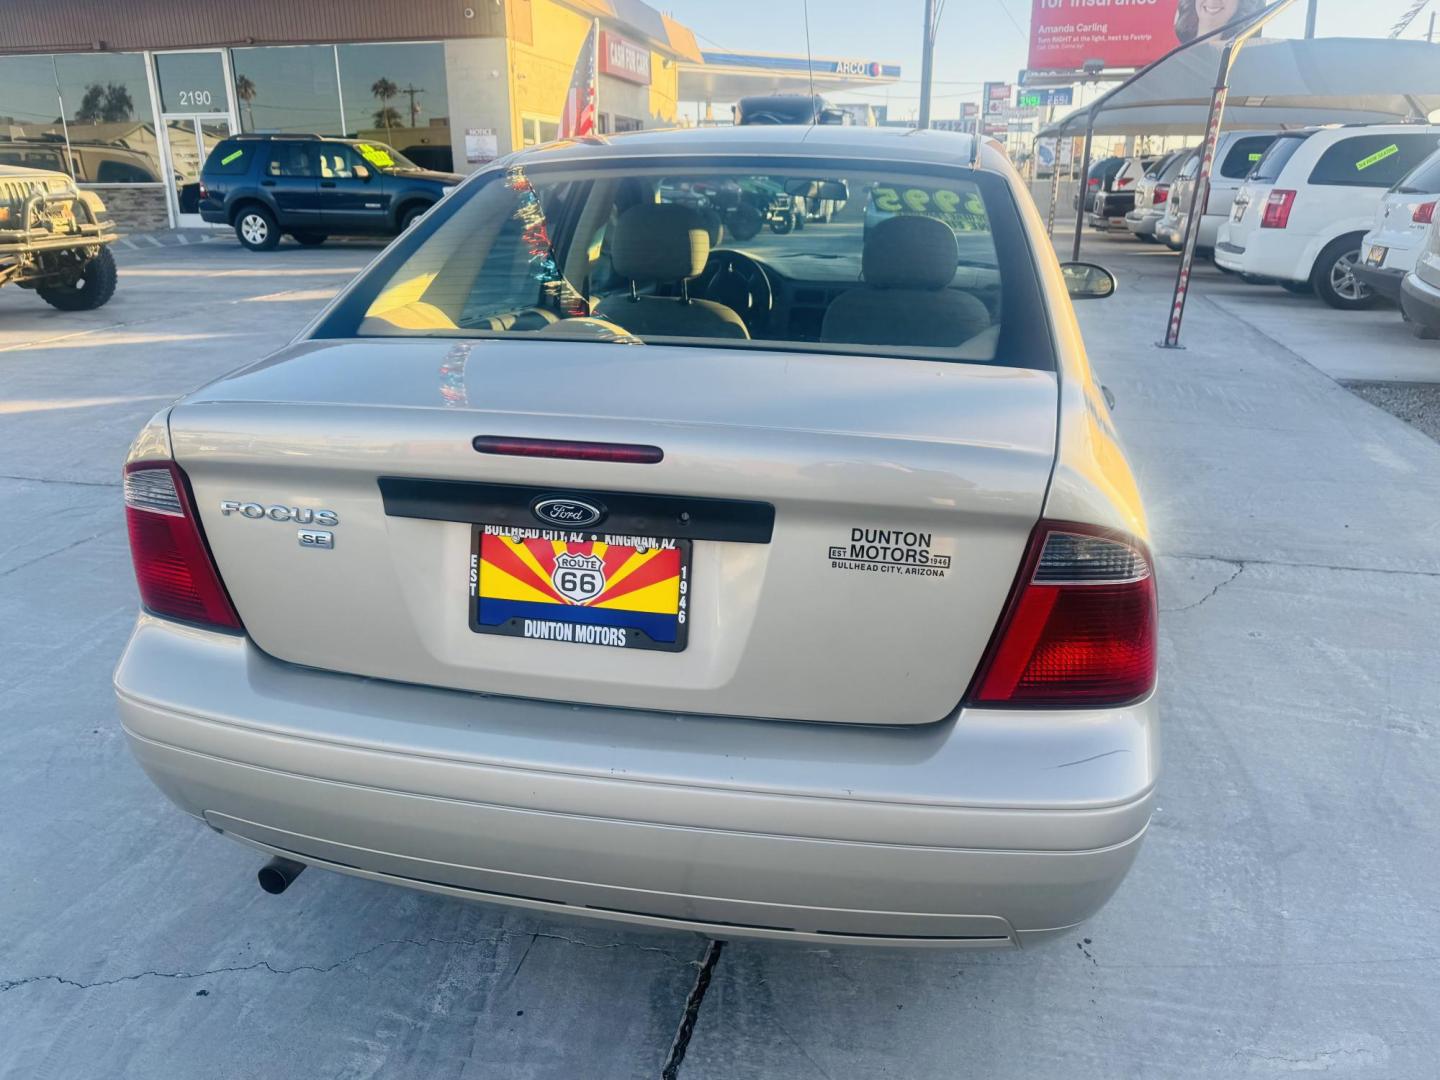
(1257, 157)
(231, 156)
(377, 157)
(1379, 155)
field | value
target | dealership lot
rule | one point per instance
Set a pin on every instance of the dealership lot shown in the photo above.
(1280, 918)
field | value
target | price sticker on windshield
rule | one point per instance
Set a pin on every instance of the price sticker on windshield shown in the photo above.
(381, 159)
(962, 212)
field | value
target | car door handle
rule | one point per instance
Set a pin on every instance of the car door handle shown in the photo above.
(327, 183)
(267, 183)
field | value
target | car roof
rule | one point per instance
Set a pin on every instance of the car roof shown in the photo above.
(26, 170)
(847, 141)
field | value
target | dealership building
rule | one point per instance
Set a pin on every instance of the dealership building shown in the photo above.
(130, 97)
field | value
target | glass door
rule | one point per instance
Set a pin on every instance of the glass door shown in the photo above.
(189, 140)
(197, 113)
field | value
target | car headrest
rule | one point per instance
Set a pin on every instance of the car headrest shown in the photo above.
(660, 242)
(909, 252)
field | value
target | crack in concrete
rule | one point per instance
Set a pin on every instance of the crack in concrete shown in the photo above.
(69, 483)
(6, 985)
(1239, 569)
(1247, 562)
(51, 554)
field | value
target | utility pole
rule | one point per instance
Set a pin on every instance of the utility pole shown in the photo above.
(411, 89)
(927, 63)
(1310, 19)
(1430, 34)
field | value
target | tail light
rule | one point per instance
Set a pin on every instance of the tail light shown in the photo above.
(1079, 630)
(1424, 213)
(1277, 209)
(1122, 181)
(1160, 195)
(173, 566)
(1093, 182)
(204, 191)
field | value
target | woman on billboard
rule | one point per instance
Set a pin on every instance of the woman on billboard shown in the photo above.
(1194, 18)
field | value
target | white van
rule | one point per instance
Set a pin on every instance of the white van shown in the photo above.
(1302, 213)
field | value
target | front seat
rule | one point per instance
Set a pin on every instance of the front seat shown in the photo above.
(664, 244)
(907, 265)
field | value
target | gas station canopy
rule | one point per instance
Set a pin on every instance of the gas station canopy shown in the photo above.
(729, 76)
(1273, 84)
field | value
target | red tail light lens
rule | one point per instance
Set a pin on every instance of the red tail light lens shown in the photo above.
(173, 567)
(1080, 627)
(1424, 213)
(203, 191)
(1277, 209)
(1162, 194)
(1093, 182)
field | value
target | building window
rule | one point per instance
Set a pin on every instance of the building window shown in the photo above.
(101, 100)
(536, 130)
(628, 123)
(397, 94)
(287, 89)
(192, 82)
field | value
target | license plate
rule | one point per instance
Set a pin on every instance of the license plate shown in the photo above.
(629, 592)
(1376, 255)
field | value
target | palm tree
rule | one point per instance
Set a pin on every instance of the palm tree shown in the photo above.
(245, 91)
(385, 91)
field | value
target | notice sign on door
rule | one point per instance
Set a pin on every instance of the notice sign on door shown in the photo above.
(481, 144)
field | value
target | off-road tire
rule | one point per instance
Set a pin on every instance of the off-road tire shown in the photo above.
(93, 288)
(255, 228)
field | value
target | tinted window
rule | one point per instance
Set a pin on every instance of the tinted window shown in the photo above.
(1244, 155)
(549, 251)
(231, 158)
(1281, 151)
(1172, 167)
(293, 159)
(1371, 160)
(1424, 179)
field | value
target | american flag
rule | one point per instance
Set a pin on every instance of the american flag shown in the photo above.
(579, 115)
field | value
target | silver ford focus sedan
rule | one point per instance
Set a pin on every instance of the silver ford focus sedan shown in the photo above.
(718, 530)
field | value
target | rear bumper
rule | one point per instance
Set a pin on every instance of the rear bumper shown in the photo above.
(1143, 222)
(1420, 301)
(1385, 282)
(982, 830)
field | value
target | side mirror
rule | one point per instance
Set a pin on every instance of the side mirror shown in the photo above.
(1086, 281)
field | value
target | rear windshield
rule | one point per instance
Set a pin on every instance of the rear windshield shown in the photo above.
(817, 255)
(1172, 167)
(1371, 160)
(1244, 154)
(230, 158)
(1268, 168)
(1424, 179)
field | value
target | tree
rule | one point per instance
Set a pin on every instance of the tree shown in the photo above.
(105, 104)
(245, 91)
(385, 92)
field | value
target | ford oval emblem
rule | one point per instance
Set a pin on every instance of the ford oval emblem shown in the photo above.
(570, 513)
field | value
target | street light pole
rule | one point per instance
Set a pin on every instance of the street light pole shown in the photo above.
(927, 63)
(1310, 19)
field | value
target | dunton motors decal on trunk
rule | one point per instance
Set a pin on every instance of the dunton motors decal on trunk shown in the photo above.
(889, 551)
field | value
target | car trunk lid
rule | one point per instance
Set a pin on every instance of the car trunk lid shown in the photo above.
(902, 494)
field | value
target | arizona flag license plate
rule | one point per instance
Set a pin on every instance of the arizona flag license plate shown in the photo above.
(629, 592)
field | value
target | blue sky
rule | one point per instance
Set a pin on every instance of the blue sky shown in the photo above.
(979, 39)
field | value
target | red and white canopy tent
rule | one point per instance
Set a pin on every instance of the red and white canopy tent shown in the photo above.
(1252, 83)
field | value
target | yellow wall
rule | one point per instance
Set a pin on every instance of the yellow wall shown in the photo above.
(541, 66)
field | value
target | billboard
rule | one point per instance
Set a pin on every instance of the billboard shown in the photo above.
(1065, 35)
(996, 101)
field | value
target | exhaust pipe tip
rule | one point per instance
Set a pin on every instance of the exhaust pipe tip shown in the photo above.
(279, 874)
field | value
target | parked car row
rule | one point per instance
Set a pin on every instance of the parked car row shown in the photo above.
(1346, 212)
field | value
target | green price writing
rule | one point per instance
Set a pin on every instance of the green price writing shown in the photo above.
(961, 212)
(231, 156)
(1379, 155)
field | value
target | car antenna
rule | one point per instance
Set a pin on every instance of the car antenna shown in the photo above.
(810, 64)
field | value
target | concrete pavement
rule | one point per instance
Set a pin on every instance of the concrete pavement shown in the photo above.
(1280, 919)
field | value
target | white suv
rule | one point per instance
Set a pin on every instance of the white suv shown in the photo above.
(1301, 215)
(1389, 249)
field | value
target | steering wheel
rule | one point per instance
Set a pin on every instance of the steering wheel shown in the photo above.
(738, 282)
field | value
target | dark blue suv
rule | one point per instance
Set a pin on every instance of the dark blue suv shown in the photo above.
(310, 187)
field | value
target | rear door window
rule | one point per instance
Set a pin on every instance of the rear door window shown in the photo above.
(1371, 160)
(231, 158)
(1244, 155)
(1268, 168)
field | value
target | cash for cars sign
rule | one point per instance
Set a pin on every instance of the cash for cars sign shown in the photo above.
(1064, 34)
